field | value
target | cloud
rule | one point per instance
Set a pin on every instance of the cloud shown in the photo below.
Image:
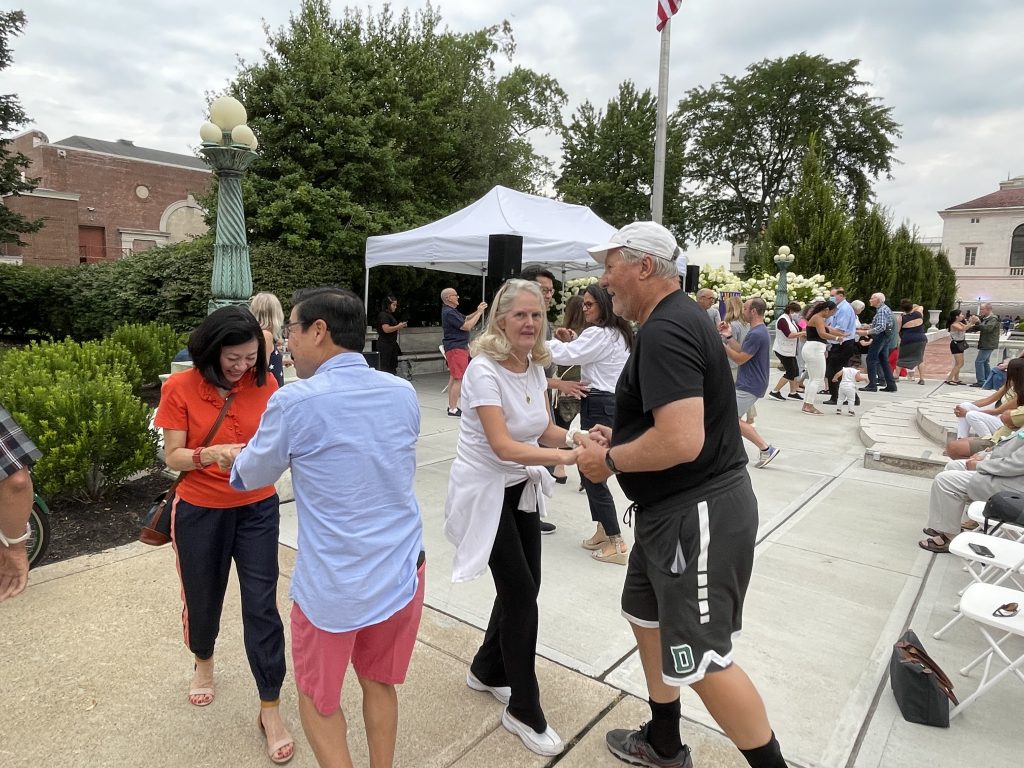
(950, 70)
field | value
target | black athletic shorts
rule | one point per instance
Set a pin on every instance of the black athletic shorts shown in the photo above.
(688, 574)
(792, 370)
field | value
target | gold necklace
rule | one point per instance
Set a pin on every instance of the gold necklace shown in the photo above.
(525, 382)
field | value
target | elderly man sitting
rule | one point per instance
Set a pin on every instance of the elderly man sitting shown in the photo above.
(974, 479)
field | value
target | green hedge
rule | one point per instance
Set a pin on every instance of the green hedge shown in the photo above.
(77, 403)
(153, 346)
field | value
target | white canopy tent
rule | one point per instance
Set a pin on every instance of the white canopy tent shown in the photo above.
(555, 234)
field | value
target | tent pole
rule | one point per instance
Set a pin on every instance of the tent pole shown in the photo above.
(366, 294)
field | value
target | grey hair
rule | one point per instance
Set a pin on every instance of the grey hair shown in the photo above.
(880, 295)
(663, 268)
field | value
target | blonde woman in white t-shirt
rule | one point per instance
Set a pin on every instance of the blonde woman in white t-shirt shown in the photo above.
(496, 489)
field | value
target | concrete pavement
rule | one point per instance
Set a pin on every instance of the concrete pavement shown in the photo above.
(95, 674)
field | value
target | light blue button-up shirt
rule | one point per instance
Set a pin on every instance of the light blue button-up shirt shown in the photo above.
(349, 434)
(844, 319)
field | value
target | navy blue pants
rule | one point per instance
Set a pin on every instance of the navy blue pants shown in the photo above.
(206, 541)
(599, 408)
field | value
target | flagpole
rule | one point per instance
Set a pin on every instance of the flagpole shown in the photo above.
(658, 198)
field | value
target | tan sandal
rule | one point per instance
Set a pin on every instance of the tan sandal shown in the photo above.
(200, 696)
(277, 746)
(618, 557)
(597, 541)
(812, 411)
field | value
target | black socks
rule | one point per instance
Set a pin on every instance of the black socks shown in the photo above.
(663, 730)
(768, 756)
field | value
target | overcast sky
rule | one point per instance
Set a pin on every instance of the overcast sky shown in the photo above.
(951, 70)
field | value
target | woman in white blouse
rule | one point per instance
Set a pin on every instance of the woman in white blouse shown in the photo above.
(601, 351)
(496, 489)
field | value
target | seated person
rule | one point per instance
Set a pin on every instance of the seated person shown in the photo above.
(985, 421)
(974, 479)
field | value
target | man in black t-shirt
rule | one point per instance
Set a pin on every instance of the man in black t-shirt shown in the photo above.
(677, 450)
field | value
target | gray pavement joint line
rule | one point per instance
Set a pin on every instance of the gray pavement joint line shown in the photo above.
(842, 559)
(870, 714)
(789, 515)
(588, 728)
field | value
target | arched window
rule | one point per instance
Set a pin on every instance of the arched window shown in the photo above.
(1017, 247)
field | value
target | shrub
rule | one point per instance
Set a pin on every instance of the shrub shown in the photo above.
(76, 402)
(153, 346)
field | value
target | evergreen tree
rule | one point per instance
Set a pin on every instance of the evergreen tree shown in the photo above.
(12, 164)
(872, 241)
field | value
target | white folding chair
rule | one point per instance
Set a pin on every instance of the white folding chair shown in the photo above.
(981, 603)
(976, 512)
(1006, 564)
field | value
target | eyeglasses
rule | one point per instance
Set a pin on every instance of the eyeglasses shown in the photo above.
(589, 304)
(548, 291)
(286, 328)
(1006, 610)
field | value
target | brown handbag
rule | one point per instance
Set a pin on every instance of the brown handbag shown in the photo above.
(156, 526)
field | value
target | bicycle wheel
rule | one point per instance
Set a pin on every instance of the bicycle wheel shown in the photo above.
(39, 541)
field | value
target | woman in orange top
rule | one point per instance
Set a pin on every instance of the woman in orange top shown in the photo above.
(212, 523)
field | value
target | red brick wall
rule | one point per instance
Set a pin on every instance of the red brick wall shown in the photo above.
(106, 185)
(56, 244)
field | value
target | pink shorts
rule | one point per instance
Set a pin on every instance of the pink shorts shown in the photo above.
(457, 360)
(380, 652)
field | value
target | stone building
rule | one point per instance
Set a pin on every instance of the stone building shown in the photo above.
(985, 242)
(103, 200)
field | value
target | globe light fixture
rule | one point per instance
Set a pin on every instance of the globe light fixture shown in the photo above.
(229, 149)
(783, 259)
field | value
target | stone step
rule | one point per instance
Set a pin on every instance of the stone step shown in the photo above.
(907, 437)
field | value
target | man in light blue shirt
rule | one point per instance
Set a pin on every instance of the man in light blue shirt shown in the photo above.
(349, 434)
(840, 352)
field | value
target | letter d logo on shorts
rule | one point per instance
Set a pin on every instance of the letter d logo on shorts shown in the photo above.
(682, 658)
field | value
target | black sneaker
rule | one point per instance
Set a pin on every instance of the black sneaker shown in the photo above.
(795, 397)
(457, 412)
(829, 402)
(889, 389)
(547, 527)
(633, 747)
(776, 396)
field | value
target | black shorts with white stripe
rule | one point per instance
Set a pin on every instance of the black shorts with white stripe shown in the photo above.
(688, 574)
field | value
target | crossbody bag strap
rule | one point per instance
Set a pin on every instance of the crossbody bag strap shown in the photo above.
(209, 436)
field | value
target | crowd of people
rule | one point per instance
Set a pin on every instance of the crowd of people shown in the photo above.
(665, 409)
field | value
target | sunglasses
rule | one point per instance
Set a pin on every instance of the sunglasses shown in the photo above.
(1006, 610)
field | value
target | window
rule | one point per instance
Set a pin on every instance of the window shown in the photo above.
(970, 254)
(1017, 247)
(975, 220)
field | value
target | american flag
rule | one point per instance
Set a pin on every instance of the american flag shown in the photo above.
(667, 9)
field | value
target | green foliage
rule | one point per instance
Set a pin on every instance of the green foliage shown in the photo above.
(813, 222)
(153, 346)
(76, 403)
(947, 285)
(12, 166)
(375, 124)
(872, 240)
(608, 160)
(746, 138)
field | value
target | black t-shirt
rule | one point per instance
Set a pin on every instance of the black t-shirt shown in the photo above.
(677, 355)
(386, 318)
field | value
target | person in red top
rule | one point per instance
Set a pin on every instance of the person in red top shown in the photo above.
(212, 523)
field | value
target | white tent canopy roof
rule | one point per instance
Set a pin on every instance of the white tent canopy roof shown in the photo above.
(555, 234)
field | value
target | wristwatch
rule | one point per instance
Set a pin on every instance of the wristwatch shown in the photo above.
(610, 463)
(17, 540)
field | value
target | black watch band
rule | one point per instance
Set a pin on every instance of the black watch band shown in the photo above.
(610, 463)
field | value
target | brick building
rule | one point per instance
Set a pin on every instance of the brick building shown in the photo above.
(102, 200)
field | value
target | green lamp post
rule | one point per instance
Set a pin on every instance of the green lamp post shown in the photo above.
(782, 259)
(229, 148)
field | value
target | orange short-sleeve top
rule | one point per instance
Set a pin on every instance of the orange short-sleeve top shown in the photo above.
(190, 403)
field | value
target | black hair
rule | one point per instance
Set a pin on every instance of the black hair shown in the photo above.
(533, 272)
(1015, 378)
(226, 327)
(906, 305)
(340, 309)
(608, 317)
(953, 318)
(819, 307)
(855, 362)
(793, 306)
(385, 303)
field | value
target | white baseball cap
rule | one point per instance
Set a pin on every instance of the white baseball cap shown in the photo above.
(643, 236)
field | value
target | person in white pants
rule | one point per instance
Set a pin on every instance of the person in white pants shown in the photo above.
(985, 416)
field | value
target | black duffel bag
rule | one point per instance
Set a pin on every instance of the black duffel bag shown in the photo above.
(1004, 507)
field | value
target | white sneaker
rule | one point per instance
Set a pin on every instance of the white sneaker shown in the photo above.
(766, 456)
(501, 692)
(548, 743)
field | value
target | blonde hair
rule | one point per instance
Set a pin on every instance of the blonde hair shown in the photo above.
(493, 342)
(267, 310)
(733, 309)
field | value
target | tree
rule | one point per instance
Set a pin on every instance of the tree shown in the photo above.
(813, 222)
(12, 165)
(872, 242)
(746, 137)
(608, 160)
(375, 124)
